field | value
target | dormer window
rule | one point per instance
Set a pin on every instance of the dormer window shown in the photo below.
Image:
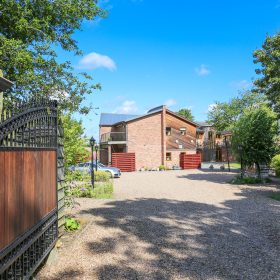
(168, 131)
(183, 130)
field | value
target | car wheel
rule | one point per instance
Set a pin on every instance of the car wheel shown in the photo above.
(111, 175)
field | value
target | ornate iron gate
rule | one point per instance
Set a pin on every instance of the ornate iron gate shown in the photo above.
(28, 177)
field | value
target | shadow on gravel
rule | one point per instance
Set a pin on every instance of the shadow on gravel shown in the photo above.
(187, 239)
(210, 176)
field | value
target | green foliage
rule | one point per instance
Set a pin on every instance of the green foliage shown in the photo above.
(162, 167)
(74, 144)
(275, 163)
(224, 115)
(275, 196)
(235, 165)
(77, 175)
(71, 224)
(30, 33)
(246, 180)
(102, 176)
(101, 190)
(256, 131)
(269, 82)
(186, 113)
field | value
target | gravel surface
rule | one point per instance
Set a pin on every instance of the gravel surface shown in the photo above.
(174, 225)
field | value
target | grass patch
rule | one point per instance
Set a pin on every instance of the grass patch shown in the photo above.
(78, 184)
(275, 196)
(235, 165)
(100, 190)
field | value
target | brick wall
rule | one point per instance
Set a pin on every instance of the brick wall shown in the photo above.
(175, 157)
(144, 139)
(173, 141)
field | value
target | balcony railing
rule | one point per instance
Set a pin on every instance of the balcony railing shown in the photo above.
(113, 137)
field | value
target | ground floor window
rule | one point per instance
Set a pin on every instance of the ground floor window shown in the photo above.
(168, 157)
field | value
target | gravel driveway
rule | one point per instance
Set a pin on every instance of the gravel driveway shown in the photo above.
(174, 225)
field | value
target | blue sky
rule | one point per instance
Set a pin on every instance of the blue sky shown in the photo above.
(179, 53)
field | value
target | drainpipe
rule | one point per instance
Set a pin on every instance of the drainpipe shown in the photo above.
(163, 136)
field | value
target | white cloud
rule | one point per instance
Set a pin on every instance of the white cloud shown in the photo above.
(211, 107)
(241, 85)
(170, 102)
(127, 107)
(202, 70)
(95, 60)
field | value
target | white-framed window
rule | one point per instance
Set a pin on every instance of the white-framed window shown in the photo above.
(183, 130)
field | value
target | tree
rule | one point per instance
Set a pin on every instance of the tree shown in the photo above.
(186, 113)
(224, 115)
(30, 33)
(269, 82)
(74, 144)
(256, 131)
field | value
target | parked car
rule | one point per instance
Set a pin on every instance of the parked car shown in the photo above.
(86, 167)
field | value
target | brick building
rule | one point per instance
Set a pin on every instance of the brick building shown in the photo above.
(212, 144)
(156, 138)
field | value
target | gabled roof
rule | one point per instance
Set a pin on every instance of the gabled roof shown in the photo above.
(182, 118)
(204, 124)
(107, 119)
(111, 119)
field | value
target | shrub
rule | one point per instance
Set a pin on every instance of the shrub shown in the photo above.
(246, 180)
(176, 167)
(275, 196)
(162, 167)
(71, 224)
(211, 167)
(102, 176)
(222, 167)
(275, 163)
(76, 176)
(101, 190)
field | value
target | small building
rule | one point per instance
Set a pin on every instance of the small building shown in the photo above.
(212, 145)
(155, 138)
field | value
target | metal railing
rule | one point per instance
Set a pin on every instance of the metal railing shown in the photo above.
(112, 136)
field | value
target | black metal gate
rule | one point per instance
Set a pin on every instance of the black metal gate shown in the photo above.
(28, 194)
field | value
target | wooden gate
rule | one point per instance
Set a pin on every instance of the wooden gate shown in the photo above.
(124, 161)
(28, 178)
(190, 161)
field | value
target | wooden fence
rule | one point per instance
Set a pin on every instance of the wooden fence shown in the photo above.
(190, 161)
(124, 161)
(28, 191)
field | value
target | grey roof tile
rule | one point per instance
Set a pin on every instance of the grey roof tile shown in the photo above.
(110, 119)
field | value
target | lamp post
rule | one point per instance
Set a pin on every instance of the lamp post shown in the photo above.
(92, 143)
(96, 149)
(240, 149)
(226, 143)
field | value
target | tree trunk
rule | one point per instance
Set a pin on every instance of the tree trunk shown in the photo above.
(258, 170)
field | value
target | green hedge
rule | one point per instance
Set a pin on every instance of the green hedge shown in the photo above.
(102, 176)
(275, 163)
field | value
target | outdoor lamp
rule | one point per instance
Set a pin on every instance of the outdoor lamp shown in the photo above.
(92, 143)
(96, 150)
